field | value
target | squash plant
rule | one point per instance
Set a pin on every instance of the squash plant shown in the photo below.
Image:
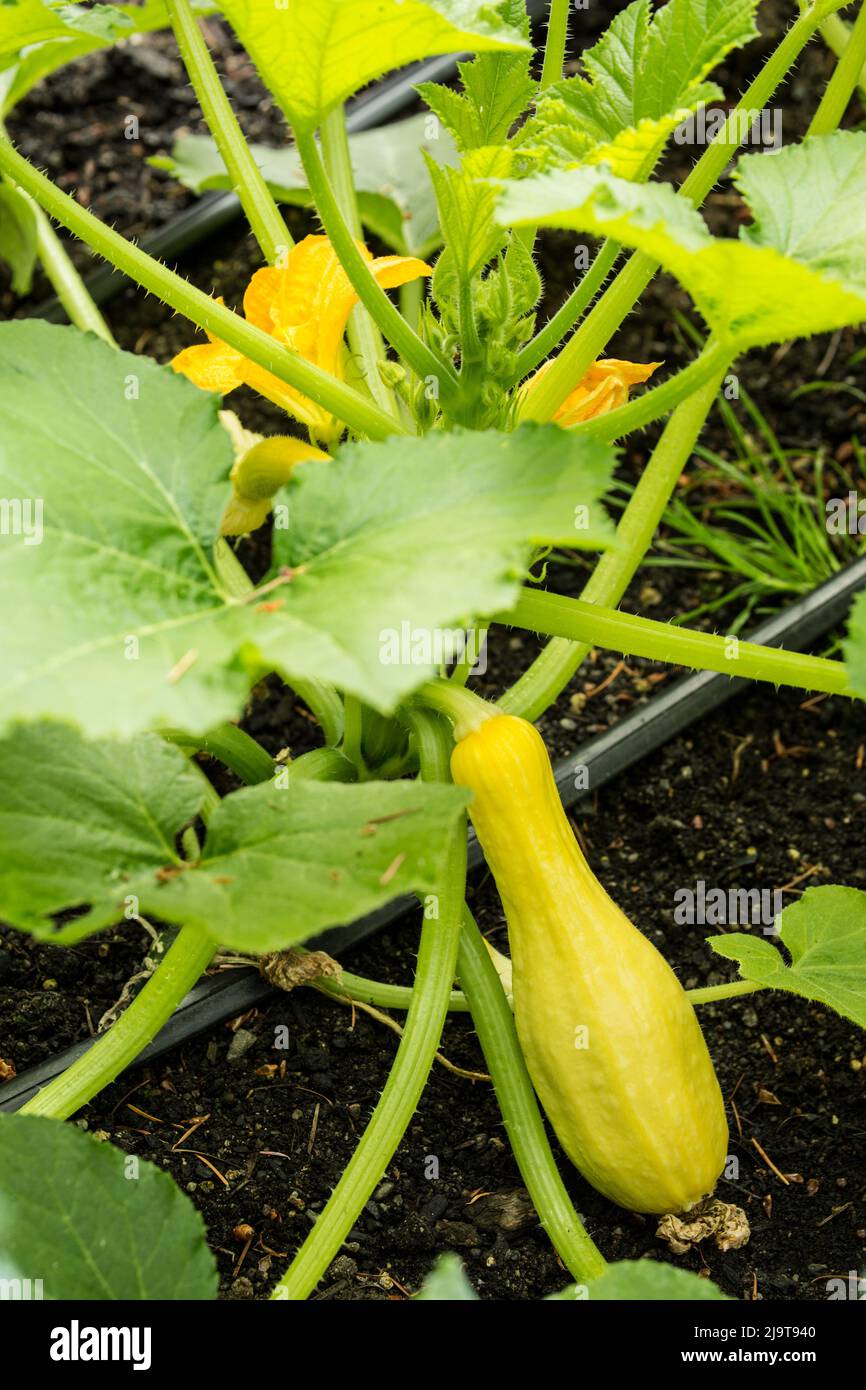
(433, 450)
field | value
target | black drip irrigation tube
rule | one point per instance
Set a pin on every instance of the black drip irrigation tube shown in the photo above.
(691, 698)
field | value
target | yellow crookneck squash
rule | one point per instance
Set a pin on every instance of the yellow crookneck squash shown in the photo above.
(610, 1038)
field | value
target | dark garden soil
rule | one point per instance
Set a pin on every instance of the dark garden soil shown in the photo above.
(769, 793)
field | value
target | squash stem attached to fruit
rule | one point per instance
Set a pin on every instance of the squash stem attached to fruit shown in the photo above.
(466, 710)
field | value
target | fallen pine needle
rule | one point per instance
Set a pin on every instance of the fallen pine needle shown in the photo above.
(770, 1164)
(207, 1163)
(395, 1027)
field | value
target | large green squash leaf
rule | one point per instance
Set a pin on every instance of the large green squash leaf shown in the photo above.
(825, 936)
(94, 1223)
(314, 54)
(799, 269)
(119, 469)
(401, 539)
(643, 76)
(36, 38)
(116, 619)
(25, 22)
(93, 828)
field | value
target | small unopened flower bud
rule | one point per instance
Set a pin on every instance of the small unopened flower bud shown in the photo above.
(392, 373)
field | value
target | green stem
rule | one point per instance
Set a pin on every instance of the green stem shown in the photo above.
(230, 571)
(842, 84)
(661, 400)
(262, 213)
(353, 726)
(432, 736)
(552, 70)
(242, 754)
(494, 1025)
(437, 960)
(81, 310)
(383, 996)
(544, 398)
(325, 704)
(365, 340)
(332, 395)
(557, 616)
(541, 683)
(554, 49)
(411, 302)
(322, 765)
(183, 963)
(711, 993)
(548, 337)
(475, 640)
(470, 343)
(835, 33)
(423, 361)
(66, 281)
(466, 710)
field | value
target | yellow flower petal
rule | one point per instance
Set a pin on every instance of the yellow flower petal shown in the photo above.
(391, 271)
(605, 386)
(212, 366)
(305, 305)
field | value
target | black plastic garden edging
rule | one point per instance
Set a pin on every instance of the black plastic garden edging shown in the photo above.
(380, 104)
(643, 732)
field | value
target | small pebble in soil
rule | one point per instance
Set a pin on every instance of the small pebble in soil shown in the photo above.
(241, 1288)
(504, 1211)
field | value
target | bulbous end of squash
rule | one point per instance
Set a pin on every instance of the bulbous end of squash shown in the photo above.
(611, 1040)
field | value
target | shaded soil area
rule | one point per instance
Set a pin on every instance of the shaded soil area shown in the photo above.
(769, 794)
